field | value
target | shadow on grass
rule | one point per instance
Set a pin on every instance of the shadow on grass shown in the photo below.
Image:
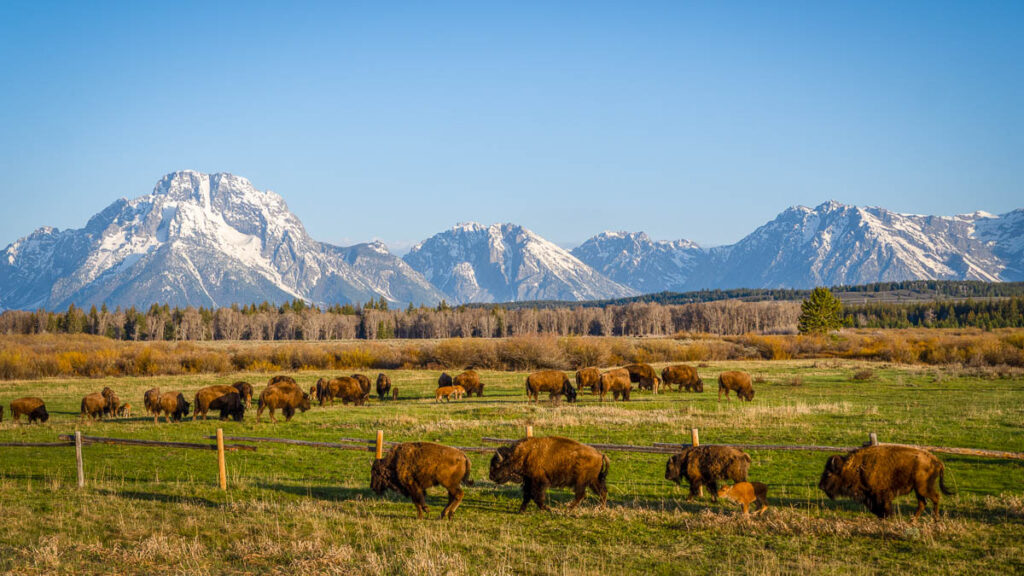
(157, 497)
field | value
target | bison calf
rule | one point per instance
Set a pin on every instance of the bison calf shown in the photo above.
(874, 475)
(540, 463)
(744, 493)
(411, 468)
(32, 407)
(738, 381)
(701, 465)
(447, 392)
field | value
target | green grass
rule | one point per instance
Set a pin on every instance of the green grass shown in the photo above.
(303, 510)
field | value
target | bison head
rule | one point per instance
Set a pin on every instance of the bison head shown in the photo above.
(304, 403)
(569, 391)
(747, 394)
(674, 468)
(502, 469)
(40, 414)
(831, 482)
(700, 385)
(380, 476)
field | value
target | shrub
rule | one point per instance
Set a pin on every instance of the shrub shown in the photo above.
(864, 374)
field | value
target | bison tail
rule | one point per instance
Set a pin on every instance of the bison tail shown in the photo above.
(466, 480)
(605, 462)
(942, 482)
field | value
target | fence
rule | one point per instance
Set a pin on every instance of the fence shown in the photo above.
(376, 445)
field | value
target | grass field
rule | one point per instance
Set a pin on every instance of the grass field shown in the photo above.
(301, 510)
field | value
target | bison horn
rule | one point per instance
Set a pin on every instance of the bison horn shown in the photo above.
(835, 463)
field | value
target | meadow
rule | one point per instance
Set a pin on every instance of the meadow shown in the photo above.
(301, 510)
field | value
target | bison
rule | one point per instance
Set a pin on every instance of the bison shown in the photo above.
(245, 392)
(447, 392)
(444, 380)
(738, 381)
(411, 468)
(874, 475)
(173, 406)
(553, 461)
(124, 410)
(701, 465)
(588, 378)
(745, 493)
(364, 383)
(383, 386)
(112, 402)
(470, 382)
(206, 397)
(616, 382)
(682, 376)
(287, 398)
(643, 376)
(151, 401)
(32, 407)
(230, 405)
(554, 382)
(281, 379)
(346, 388)
(94, 406)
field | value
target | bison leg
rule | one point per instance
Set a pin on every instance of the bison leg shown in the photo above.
(454, 499)
(695, 486)
(527, 493)
(713, 487)
(540, 495)
(419, 499)
(272, 419)
(580, 493)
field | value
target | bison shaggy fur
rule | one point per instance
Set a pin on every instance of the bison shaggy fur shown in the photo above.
(470, 382)
(94, 405)
(411, 468)
(173, 406)
(346, 388)
(205, 398)
(245, 392)
(554, 382)
(588, 378)
(707, 465)
(444, 380)
(643, 376)
(874, 475)
(682, 376)
(616, 382)
(281, 379)
(287, 398)
(364, 383)
(738, 381)
(151, 401)
(551, 462)
(32, 407)
(383, 386)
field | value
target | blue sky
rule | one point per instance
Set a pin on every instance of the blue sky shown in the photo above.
(395, 121)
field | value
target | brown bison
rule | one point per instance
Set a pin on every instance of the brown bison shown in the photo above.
(112, 403)
(588, 378)
(447, 392)
(643, 376)
(411, 468)
(540, 463)
(97, 404)
(124, 410)
(32, 407)
(383, 386)
(738, 381)
(173, 406)
(364, 383)
(706, 465)
(470, 382)
(682, 376)
(616, 382)
(444, 380)
(205, 398)
(874, 475)
(245, 392)
(287, 398)
(346, 388)
(554, 382)
(230, 405)
(151, 401)
(281, 379)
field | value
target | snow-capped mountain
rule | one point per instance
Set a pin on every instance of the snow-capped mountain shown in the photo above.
(633, 259)
(198, 239)
(506, 262)
(824, 246)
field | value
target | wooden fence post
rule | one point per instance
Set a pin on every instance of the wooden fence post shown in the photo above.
(873, 438)
(695, 441)
(529, 431)
(78, 459)
(380, 444)
(222, 471)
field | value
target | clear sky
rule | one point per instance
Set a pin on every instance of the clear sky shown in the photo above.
(395, 121)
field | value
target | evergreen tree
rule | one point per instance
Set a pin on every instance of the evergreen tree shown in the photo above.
(821, 312)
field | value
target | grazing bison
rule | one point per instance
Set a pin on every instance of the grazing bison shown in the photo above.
(346, 388)
(874, 475)
(682, 376)
(173, 406)
(287, 398)
(643, 376)
(245, 392)
(124, 410)
(616, 382)
(151, 401)
(230, 405)
(701, 465)
(205, 398)
(540, 463)
(32, 407)
(411, 468)
(738, 381)
(364, 383)
(281, 379)
(588, 378)
(394, 393)
(383, 386)
(554, 382)
(444, 380)
(447, 392)
(470, 382)
(94, 405)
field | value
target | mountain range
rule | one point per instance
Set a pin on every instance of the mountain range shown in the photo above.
(213, 240)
